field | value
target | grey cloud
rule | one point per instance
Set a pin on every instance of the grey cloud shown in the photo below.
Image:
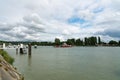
(109, 22)
(115, 33)
(13, 34)
(4, 36)
(33, 22)
(34, 26)
(21, 30)
(33, 17)
(116, 4)
(29, 31)
(5, 27)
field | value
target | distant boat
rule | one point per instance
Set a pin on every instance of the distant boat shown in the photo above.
(64, 45)
(35, 46)
(24, 51)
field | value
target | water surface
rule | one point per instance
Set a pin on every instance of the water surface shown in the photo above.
(76, 63)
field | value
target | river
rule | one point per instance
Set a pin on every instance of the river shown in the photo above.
(75, 63)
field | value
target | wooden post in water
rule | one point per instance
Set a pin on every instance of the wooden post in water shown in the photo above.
(29, 49)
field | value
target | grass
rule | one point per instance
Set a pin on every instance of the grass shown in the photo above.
(6, 56)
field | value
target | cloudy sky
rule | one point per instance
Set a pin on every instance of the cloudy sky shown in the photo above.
(44, 20)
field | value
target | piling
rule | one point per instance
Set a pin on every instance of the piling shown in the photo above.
(29, 49)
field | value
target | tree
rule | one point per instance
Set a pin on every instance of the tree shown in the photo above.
(79, 42)
(99, 40)
(73, 41)
(57, 41)
(86, 41)
(69, 41)
(93, 41)
(119, 43)
(112, 42)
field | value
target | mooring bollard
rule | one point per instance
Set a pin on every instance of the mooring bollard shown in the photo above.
(29, 49)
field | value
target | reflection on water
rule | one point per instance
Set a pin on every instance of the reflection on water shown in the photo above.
(17, 51)
(76, 63)
(117, 73)
(29, 60)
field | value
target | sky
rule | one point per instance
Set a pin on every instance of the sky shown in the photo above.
(45, 20)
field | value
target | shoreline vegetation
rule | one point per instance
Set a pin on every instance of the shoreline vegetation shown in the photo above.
(87, 41)
(6, 56)
(7, 70)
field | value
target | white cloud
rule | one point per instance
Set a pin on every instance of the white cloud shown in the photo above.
(44, 20)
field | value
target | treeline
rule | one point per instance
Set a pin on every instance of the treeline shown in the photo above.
(87, 41)
(45, 43)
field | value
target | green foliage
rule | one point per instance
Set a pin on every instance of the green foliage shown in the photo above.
(57, 41)
(6, 56)
(112, 42)
(1, 42)
(42, 43)
(86, 41)
(91, 41)
(79, 42)
(71, 41)
(99, 40)
(119, 43)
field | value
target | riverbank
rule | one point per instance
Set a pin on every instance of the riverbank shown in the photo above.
(7, 71)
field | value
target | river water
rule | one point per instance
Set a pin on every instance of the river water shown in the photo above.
(76, 63)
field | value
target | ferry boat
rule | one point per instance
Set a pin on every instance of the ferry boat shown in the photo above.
(64, 45)
(35, 46)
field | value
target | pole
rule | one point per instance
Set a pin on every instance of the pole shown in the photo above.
(29, 49)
